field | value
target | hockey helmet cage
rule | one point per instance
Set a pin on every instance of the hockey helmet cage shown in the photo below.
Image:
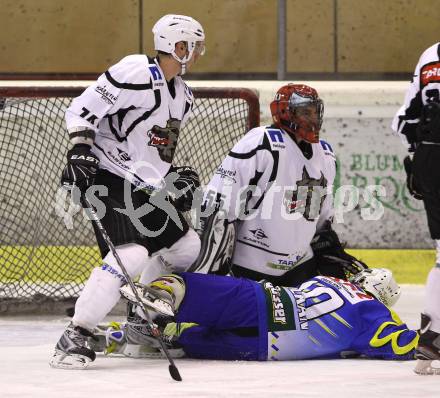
(380, 283)
(298, 110)
(171, 29)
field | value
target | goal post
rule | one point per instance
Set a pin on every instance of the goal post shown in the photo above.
(42, 261)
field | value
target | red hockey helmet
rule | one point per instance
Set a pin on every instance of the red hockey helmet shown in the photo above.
(298, 110)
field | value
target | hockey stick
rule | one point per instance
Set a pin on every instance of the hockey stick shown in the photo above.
(88, 208)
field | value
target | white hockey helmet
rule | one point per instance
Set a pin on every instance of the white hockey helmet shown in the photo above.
(171, 29)
(380, 283)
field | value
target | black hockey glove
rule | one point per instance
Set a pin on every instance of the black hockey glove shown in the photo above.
(81, 168)
(331, 258)
(410, 181)
(187, 182)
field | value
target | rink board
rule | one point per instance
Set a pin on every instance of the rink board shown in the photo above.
(44, 264)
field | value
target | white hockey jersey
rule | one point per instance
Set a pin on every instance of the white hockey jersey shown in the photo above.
(278, 195)
(424, 88)
(122, 107)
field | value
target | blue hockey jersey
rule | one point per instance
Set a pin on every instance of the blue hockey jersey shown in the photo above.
(325, 317)
(329, 318)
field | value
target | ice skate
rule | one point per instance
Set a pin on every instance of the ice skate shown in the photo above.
(428, 350)
(111, 339)
(71, 351)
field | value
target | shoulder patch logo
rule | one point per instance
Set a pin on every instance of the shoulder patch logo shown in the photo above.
(326, 146)
(155, 73)
(275, 135)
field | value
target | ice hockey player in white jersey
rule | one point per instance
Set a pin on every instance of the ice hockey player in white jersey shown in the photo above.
(124, 130)
(418, 123)
(272, 197)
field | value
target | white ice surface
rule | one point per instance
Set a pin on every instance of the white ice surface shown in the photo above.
(27, 343)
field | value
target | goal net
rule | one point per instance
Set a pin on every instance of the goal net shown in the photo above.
(42, 260)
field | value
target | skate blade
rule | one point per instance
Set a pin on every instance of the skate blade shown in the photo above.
(427, 367)
(61, 360)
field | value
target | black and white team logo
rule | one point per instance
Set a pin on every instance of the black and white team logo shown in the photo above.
(120, 158)
(123, 155)
(257, 236)
(258, 233)
(308, 197)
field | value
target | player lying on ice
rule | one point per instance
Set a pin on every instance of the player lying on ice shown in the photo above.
(220, 317)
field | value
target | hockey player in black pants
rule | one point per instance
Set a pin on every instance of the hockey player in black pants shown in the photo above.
(418, 123)
(124, 130)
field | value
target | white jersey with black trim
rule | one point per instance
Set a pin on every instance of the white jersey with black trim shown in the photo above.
(122, 107)
(291, 198)
(424, 88)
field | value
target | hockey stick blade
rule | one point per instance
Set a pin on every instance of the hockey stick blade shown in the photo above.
(174, 372)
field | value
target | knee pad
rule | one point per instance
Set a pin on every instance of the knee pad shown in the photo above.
(182, 254)
(134, 258)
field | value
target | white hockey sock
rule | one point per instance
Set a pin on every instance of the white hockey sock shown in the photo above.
(432, 301)
(99, 296)
(101, 291)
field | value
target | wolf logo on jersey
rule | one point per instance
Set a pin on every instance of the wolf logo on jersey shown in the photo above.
(165, 139)
(308, 197)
